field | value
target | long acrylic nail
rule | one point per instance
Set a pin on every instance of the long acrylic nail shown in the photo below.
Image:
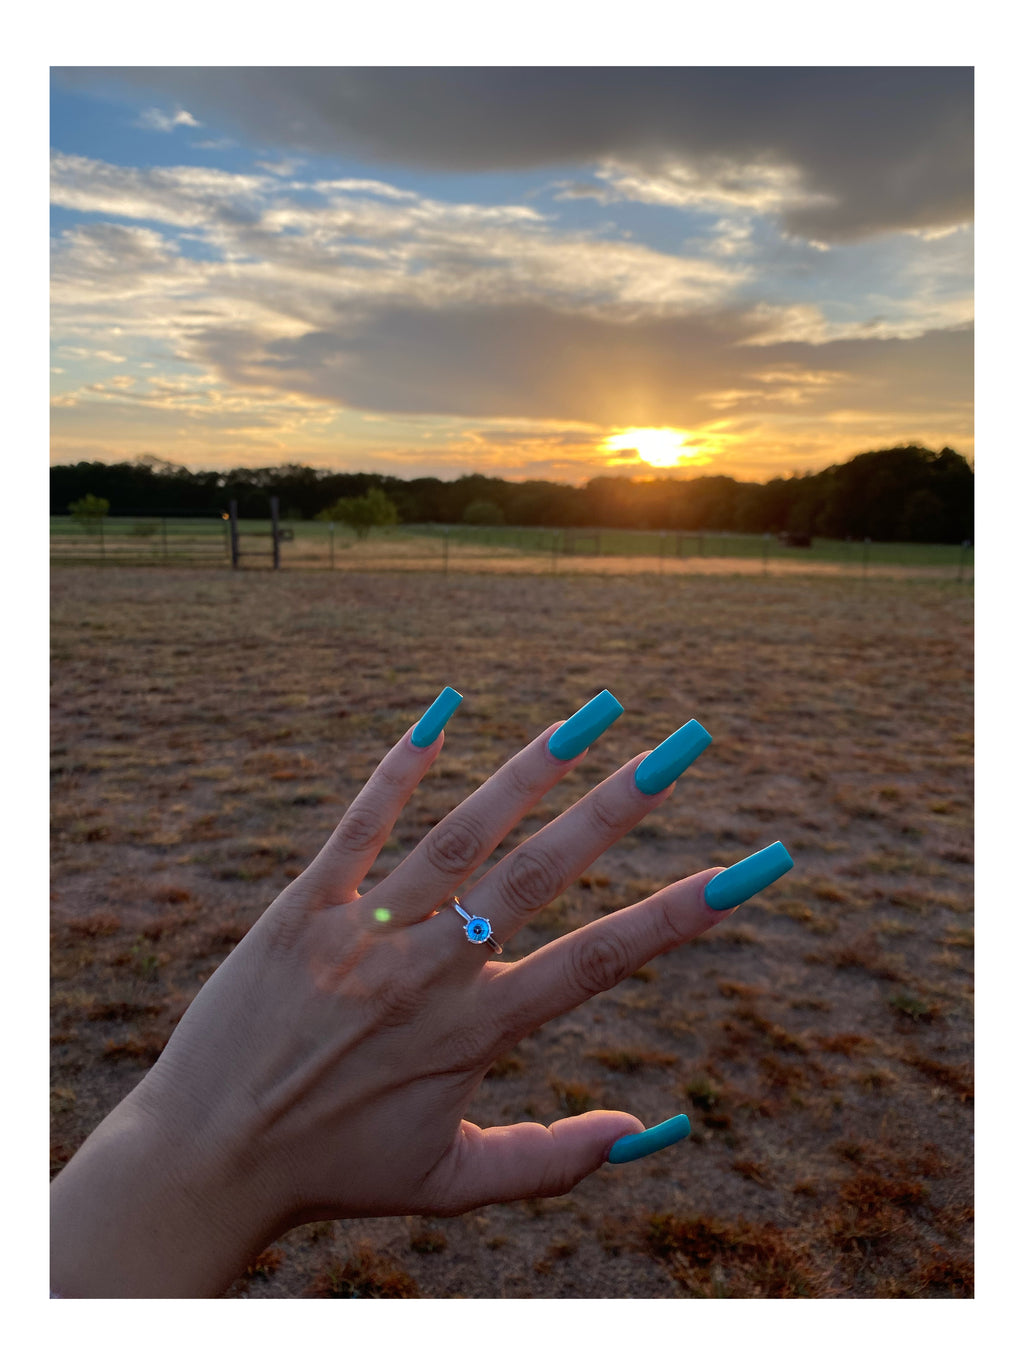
(745, 879)
(580, 730)
(673, 756)
(636, 1145)
(435, 718)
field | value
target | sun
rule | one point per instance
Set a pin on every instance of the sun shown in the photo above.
(662, 447)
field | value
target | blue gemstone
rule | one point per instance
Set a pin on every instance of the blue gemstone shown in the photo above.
(478, 930)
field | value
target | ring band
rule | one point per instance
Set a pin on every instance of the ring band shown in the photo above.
(478, 929)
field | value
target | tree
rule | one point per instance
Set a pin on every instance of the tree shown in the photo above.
(374, 508)
(481, 512)
(89, 511)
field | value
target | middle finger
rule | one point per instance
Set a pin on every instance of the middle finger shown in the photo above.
(459, 843)
(533, 874)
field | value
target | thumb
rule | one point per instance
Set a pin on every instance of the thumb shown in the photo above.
(527, 1160)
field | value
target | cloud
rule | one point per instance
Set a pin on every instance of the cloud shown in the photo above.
(184, 196)
(354, 241)
(528, 361)
(839, 153)
(159, 122)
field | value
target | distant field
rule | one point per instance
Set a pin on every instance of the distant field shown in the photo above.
(310, 544)
(209, 728)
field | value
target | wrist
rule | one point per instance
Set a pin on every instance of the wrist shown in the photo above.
(144, 1210)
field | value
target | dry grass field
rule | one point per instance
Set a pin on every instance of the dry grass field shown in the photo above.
(209, 729)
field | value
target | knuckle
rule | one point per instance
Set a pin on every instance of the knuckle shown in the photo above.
(456, 846)
(534, 878)
(464, 1048)
(521, 781)
(361, 829)
(284, 929)
(559, 1178)
(598, 961)
(396, 1002)
(604, 816)
(394, 783)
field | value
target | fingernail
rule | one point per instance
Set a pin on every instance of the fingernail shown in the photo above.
(743, 880)
(580, 730)
(435, 718)
(672, 756)
(636, 1145)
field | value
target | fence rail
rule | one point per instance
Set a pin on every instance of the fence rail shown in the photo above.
(190, 542)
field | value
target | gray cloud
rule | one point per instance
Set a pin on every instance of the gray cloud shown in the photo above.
(874, 148)
(534, 362)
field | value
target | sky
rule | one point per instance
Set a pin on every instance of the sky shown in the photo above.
(528, 272)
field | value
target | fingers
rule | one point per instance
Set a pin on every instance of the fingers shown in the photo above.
(349, 853)
(565, 973)
(526, 1160)
(459, 843)
(532, 875)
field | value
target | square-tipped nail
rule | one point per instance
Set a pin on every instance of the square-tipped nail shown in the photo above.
(672, 756)
(580, 730)
(743, 880)
(635, 1145)
(435, 718)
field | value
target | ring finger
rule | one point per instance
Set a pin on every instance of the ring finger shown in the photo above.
(533, 874)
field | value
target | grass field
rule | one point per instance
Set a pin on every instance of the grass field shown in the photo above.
(141, 541)
(209, 728)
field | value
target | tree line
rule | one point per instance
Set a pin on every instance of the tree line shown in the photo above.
(907, 493)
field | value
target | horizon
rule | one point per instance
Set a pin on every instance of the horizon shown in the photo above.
(643, 474)
(667, 273)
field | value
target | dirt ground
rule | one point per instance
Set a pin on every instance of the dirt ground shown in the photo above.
(209, 729)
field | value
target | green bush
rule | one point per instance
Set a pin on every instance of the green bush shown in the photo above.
(375, 508)
(480, 512)
(89, 511)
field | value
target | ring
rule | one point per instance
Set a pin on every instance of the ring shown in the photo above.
(478, 929)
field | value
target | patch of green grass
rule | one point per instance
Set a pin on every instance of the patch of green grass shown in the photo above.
(910, 1006)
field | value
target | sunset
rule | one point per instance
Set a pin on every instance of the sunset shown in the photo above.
(510, 695)
(742, 271)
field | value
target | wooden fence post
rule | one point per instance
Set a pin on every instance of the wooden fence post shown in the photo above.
(275, 532)
(233, 516)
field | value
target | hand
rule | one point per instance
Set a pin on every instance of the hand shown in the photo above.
(323, 1071)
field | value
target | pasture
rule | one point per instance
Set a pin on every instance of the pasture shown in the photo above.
(205, 541)
(209, 729)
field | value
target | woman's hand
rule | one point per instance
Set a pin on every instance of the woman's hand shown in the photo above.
(323, 1071)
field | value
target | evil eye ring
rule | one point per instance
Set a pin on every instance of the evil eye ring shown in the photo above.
(478, 929)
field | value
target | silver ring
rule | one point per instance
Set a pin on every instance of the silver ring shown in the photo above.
(478, 929)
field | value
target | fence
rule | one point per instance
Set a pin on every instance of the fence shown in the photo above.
(252, 544)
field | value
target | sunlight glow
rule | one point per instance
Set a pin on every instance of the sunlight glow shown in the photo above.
(659, 446)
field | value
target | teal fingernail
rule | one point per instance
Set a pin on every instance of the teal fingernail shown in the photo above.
(435, 718)
(580, 730)
(745, 879)
(635, 1145)
(672, 756)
